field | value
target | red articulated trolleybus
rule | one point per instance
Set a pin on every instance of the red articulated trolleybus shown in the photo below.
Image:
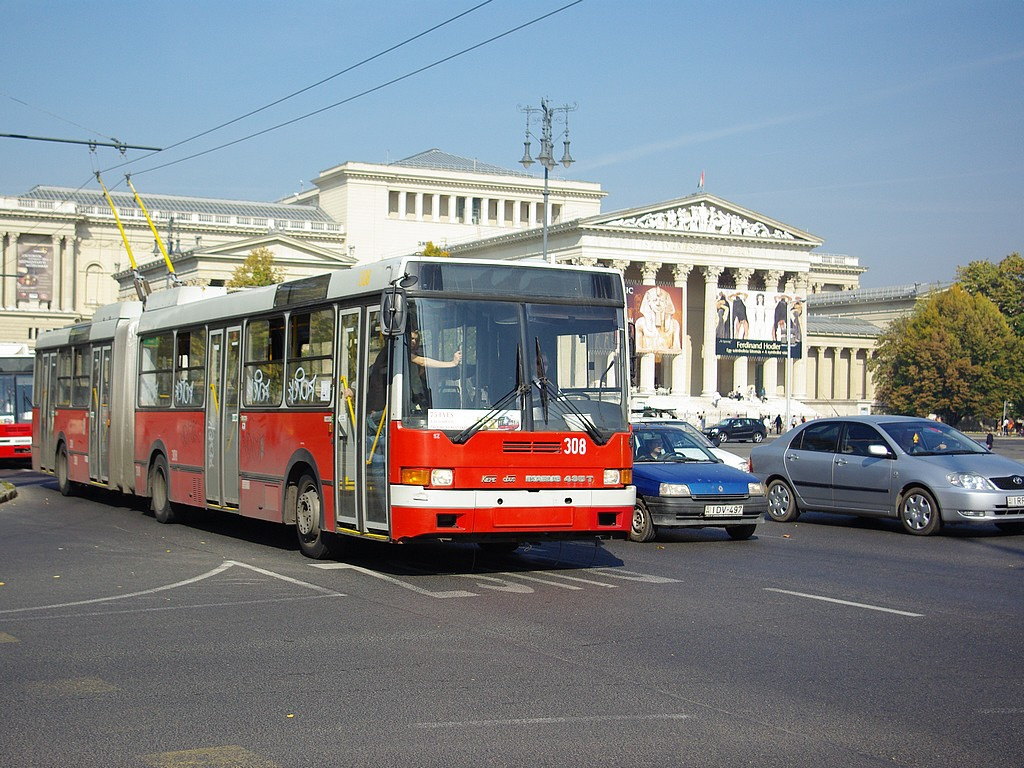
(406, 399)
(15, 401)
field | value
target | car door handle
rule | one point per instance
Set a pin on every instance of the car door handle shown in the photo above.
(841, 461)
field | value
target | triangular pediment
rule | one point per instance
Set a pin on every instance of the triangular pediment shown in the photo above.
(703, 215)
(284, 248)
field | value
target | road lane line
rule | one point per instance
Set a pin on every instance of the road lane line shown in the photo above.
(845, 602)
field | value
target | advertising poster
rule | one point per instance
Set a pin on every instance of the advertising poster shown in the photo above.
(656, 312)
(758, 323)
(35, 268)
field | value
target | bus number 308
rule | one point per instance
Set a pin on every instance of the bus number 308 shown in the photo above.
(575, 446)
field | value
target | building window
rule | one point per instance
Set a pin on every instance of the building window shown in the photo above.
(477, 203)
(410, 205)
(460, 210)
(93, 276)
(392, 203)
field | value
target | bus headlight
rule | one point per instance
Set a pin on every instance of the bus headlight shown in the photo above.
(618, 476)
(427, 476)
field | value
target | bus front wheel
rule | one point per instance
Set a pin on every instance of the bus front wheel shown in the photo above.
(304, 499)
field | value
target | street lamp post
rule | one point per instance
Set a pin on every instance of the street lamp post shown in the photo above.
(546, 157)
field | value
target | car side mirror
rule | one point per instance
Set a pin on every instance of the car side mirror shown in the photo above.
(879, 450)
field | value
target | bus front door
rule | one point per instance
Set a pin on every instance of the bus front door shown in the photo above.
(99, 415)
(222, 418)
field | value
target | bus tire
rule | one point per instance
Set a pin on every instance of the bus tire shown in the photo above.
(160, 492)
(305, 502)
(64, 484)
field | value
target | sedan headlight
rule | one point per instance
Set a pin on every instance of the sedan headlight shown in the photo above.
(673, 489)
(970, 481)
(755, 489)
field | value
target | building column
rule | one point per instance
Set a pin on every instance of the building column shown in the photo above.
(9, 265)
(819, 362)
(65, 295)
(435, 207)
(648, 276)
(739, 365)
(681, 362)
(401, 206)
(770, 367)
(709, 355)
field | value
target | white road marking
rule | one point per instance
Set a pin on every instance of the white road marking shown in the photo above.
(396, 582)
(219, 569)
(844, 602)
(551, 720)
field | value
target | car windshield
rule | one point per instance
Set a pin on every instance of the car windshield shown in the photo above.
(930, 438)
(670, 444)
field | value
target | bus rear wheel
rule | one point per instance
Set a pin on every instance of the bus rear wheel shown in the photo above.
(159, 492)
(304, 500)
(64, 484)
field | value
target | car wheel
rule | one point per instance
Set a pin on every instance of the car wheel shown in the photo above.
(721, 437)
(758, 437)
(64, 484)
(304, 500)
(781, 502)
(642, 528)
(741, 532)
(919, 513)
(1013, 526)
(159, 493)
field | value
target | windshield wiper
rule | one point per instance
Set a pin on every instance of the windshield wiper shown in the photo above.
(521, 389)
(549, 390)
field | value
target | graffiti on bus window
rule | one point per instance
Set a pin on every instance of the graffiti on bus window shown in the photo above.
(257, 388)
(301, 389)
(184, 393)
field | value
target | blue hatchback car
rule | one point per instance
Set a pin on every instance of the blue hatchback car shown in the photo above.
(680, 483)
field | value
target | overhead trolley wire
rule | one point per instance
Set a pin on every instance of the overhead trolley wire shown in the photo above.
(349, 99)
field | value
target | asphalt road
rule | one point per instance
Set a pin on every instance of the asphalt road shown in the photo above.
(830, 641)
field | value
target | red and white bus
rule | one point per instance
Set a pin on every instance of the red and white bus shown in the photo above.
(407, 399)
(15, 401)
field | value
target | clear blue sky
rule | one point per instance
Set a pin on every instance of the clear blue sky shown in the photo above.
(892, 130)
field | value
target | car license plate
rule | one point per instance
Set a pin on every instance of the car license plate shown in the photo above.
(723, 510)
(1015, 501)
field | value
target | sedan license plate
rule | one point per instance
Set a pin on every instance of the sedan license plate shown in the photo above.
(1015, 501)
(723, 510)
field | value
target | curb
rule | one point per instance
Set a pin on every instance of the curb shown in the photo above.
(7, 491)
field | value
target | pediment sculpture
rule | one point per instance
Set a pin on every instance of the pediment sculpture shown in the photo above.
(702, 218)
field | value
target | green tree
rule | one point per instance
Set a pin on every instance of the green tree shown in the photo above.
(954, 356)
(257, 269)
(1003, 283)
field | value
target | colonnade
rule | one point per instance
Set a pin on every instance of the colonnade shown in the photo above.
(469, 209)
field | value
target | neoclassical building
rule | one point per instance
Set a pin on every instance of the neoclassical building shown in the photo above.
(706, 259)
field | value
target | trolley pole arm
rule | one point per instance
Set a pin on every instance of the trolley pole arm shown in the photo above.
(167, 259)
(141, 286)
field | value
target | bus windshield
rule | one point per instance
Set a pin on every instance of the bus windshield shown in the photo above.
(15, 398)
(504, 365)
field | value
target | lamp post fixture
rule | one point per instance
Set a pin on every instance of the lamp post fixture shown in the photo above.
(546, 157)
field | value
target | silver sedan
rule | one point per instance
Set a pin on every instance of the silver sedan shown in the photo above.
(923, 472)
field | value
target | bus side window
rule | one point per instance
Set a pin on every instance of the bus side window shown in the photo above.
(156, 361)
(311, 358)
(81, 357)
(264, 362)
(190, 369)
